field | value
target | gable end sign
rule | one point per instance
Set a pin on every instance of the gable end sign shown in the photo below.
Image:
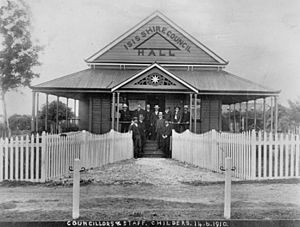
(156, 40)
(156, 44)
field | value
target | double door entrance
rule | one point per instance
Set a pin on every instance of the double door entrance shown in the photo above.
(156, 99)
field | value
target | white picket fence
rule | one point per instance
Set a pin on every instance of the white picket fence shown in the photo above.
(255, 156)
(41, 158)
(278, 155)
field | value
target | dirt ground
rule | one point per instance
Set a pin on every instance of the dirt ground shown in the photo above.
(149, 189)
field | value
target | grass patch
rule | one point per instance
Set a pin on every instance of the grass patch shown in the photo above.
(12, 183)
(8, 205)
(269, 181)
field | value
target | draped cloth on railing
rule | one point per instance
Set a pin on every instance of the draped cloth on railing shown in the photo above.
(40, 158)
(255, 155)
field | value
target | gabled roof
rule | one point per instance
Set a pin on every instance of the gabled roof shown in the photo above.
(156, 26)
(155, 65)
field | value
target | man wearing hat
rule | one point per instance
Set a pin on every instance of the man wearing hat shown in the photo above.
(160, 125)
(148, 122)
(139, 111)
(125, 118)
(176, 119)
(185, 118)
(166, 135)
(154, 120)
(136, 137)
(168, 114)
(142, 129)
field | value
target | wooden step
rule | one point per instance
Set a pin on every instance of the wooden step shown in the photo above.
(153, 156)
(151, 151)
(150, 148)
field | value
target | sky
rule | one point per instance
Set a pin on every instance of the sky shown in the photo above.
(260, 39)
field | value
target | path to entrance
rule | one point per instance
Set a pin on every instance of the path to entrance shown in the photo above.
(154, 171)
(151, 189)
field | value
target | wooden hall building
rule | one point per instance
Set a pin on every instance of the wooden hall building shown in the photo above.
(157, 63)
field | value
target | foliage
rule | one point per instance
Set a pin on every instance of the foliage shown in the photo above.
(20, 122)
(18, 54)
(52, 111)
(294, 111)
(288, 117)
(52, 114)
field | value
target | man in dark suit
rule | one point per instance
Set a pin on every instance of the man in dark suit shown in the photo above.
(148, 121)
(176, 119)
(160, 124)
(154, 120)
(125, 118)
(139, 111)
(168, 114)
(136, 136)
(185, 118)
(166, 135)
(142, 129)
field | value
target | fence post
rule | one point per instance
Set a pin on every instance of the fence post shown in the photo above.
(213, 146)
(1, 159)
(76, 188)
(43, 157)
(83, 150)
(130, 149)
(227, 198)
(113, 153)
(253, 155)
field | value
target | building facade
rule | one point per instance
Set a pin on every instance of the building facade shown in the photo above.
(157, 63)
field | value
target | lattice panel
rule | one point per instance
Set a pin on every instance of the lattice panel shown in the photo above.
(155, 79)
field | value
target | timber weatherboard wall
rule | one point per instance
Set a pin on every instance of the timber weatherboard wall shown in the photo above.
(101, 113)
(84, 114)
(210, 114)
(95, 113)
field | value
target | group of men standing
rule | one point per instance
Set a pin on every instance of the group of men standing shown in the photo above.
(153, 125)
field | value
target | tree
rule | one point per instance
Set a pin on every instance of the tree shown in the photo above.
(294, 111)
(52, 113)
(18, 54)
(20, 122)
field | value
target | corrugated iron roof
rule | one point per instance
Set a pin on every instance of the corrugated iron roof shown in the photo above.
(211, 80)
(203, 80)
(90, 79)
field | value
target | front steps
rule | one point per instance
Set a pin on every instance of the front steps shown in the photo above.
(151, 151)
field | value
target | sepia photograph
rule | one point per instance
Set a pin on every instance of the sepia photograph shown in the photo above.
(149, 113)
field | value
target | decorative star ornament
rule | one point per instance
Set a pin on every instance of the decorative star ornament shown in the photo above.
(155, 79)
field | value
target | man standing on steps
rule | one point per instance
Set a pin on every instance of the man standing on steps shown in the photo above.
(160, 124)
(148, 122)
(136, 136)
(142, 130)
(154, 121)
(166, 135)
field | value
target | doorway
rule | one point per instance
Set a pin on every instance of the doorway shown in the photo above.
(156, 99)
